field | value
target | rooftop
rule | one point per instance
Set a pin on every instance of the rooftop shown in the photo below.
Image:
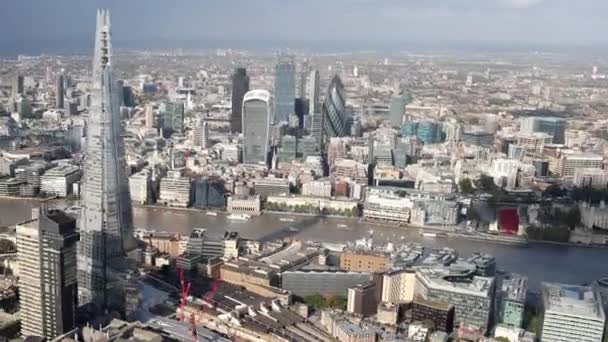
(573, 300)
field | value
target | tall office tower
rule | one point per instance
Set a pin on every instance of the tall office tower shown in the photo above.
(312, 92)
(59, 92)
(240, 86)
(316, 128)
(334, 110)
(47, 281)
(18, 85)
(257, 117)
(105, 217)
(284, 89)
(303, 80)
(200, 134)
(149, 116)
(171, 118)
(397, 109)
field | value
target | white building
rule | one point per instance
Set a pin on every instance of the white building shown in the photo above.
(387, 207)
(512, 173)
(595, 178)
(594, 217)
(175, 190)
(398, 286)
(572, 313)
(247, 205)
(318, 188)
(58, 180)
(567, 165)
(140, 185)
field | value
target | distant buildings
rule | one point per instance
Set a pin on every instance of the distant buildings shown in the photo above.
(257, 116)
(60, 92)
(566, 165)
(572, 313)
(555, 127)
(284, 89)
(593, 178)
(313, 92)
(397, 108)
(240, 86)
(429, 132)
(309, 282)
(47, 287)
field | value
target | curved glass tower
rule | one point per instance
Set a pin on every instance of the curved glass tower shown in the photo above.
(334, 110)
(105, 219)
(257, 116)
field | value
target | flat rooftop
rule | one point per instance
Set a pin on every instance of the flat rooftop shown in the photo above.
(572, 300)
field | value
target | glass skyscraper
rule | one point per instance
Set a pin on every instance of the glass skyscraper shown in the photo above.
(105, 216)
(334, 110)
(256, 126)
(397, 109)
(284, 89)
(240, 86)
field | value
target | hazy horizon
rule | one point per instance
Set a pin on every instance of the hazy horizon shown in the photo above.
(33, 26)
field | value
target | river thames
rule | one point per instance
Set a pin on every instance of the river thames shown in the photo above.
(539, 262)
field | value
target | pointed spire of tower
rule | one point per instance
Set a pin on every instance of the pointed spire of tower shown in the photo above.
(103, 44)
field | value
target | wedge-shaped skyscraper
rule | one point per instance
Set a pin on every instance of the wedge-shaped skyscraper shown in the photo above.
(106, 218)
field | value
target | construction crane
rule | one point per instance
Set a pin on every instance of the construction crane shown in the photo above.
(185, 290)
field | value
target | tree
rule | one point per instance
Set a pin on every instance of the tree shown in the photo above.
(466, 186)
(486, 184)
(554, 190)
(7, 246)
(502, 339)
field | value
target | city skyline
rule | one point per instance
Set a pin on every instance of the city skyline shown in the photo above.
(362, 24)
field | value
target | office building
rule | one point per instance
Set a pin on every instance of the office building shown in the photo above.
(271, 186)
(334, 113)
(257, 118)
(364, 261)
(244, 205)
(534, 142)
(60, 92)
(240, 86)
(208, 193)
(590, 178)
(140, 186)
(478, 136)
(58, 180)
(440, 313)
(429, 132)
(149, 116)
(11, 187)
(398, 286)
(361, 299)
(175, 190)
(171, 118)
(47, 278)
(555, 127)
(327, 283)
(572, 313)
(471, 295)
(105, 217)
(18, 86)
(284, 89)
(512, 299)
(200, 134)
(397, 108)
(567, 164)
(318, 188)
(313, 92)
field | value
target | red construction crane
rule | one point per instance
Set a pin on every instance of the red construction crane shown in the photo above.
(185, 288)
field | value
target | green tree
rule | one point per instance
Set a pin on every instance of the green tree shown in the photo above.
(486, 184)
(316, 301)
(466, 186)
(502, 339)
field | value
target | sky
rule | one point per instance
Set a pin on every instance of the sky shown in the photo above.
(67, 24)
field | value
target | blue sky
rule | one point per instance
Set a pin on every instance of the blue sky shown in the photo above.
(140, 22)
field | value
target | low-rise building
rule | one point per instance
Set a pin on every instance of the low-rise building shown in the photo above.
(594, 178)
(140, 186)
(512, 299)
(328, 283)
(58, 180)
(271, 186)
(11, 186)
(318, 188)
(175, 190)
(356, 260)
(251, 205)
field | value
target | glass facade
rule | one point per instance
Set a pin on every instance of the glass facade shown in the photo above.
(284, 89)
(240, 86)
(171, 118)
(334, 111)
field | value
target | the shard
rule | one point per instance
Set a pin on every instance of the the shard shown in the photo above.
(106, 218)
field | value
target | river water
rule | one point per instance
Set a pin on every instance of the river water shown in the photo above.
(539, 262)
